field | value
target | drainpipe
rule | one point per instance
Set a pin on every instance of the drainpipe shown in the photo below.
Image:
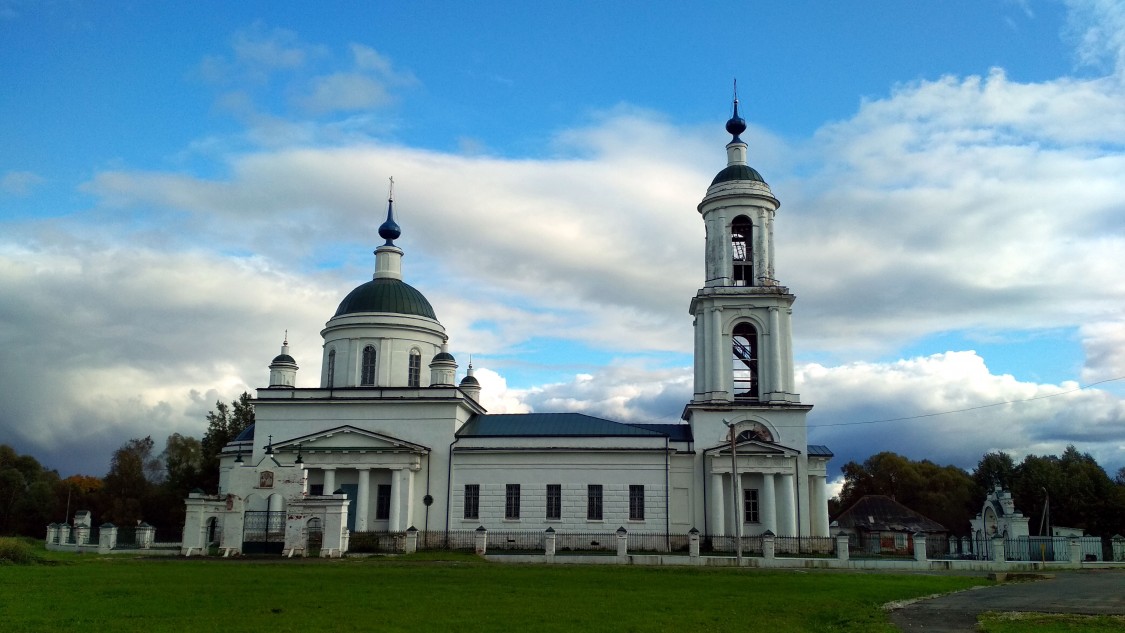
(429, 460)
(449, 486)
(667, 496)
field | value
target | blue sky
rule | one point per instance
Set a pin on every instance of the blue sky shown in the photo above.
(182, 182)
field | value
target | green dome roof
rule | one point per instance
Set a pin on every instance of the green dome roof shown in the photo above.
(386, 295)
(738, 172)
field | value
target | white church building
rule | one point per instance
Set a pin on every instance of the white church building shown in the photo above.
(390, 440)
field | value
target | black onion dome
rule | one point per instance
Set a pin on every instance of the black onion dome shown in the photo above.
(470, 381)
(246, 435)
(736, 125)
(386, 295)
(390, 230)
(444, 356)
(283, 358)
(738, 172)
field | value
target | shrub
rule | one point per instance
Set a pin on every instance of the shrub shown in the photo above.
(17, 552)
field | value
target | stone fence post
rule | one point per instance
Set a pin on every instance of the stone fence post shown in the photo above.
(693, 544)
(52, 533)
(920, 547)
(411, 540)
(842, 547)
(81, 534)
(107, 537)
(769, 548)
(1075, 547)
(480, 541)
(1118, 547)
(549, 543)
(998, 549)
(64, 534)
(967, 547)
(622, 542)
(146, 534)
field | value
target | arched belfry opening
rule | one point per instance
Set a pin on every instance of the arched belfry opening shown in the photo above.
(744, 349)
(742, 251)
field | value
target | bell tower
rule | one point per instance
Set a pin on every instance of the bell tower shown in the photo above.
(745, 413)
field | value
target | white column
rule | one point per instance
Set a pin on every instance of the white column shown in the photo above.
(699, 378)
(329, 480)
(363, 495)
(718, 520)
(786, 507)
(775, 351)
(408, 498)
(716, 362)
(819, 491)
(768, 504)
(395, 524)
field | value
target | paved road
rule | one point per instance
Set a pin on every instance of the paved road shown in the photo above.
(1100, 592)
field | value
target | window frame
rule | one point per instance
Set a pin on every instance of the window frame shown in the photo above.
(331, 373)
(554, 502)
(512, 502)
(383, 502)
(471, 509)
(595, 508)
(751, 506)
(368, 364)
(636, 502)
(414, 368)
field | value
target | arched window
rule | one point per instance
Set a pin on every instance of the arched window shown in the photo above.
(744, 349)
(331, 368)
(367, 373)
(757, 431)
(414, 375)
(742, 251)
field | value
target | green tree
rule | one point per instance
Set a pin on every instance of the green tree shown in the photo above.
(130, 483)
(994, 469)
(223, 425)
(945, 494)
(27, 494)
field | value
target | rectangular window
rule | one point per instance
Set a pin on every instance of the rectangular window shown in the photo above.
(594, 502)
(316, 489)
(636, 503)
(472, 501)
(554, 502)
(512, 501)
(383, 502)
(750, 507)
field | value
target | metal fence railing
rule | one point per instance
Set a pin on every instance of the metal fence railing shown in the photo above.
(805, 546)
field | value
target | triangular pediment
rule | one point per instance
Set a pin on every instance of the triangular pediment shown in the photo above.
(349, 438)
(751, 447)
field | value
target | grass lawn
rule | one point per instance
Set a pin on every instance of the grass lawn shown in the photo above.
(459, 593)
(1051, 623)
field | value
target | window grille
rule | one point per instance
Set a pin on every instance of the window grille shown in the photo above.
(636, 503)
(472, 501)
(414, 375)
(367, 376)
(594, 502)
(750, 509)
(554, 502)
(331, 368)
(512, 502)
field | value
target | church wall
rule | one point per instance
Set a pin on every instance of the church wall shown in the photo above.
(573, 471)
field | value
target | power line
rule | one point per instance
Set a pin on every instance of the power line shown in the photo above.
(976, 408)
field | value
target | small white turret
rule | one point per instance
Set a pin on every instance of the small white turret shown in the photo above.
(283, 369)
(443, 368)
(470, 385)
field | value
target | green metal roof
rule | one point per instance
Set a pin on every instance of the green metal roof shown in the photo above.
(386, 295)
(738, 172)
(549, 425)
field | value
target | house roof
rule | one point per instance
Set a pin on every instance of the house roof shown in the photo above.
(880, 513)
(819, 450)
(556, 425)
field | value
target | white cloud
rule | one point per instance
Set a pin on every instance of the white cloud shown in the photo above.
(20, 183)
